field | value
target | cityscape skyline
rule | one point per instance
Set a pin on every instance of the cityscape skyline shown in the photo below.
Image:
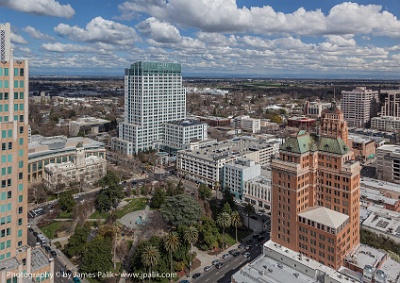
(233, 38)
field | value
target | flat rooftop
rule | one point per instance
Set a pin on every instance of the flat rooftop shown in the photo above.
(379, 185)
(227, 149)
(87, 121)
(39, 259)
(186, 123)
(384, 221)
(375, 195)
(365, 255)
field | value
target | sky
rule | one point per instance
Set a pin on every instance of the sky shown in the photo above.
(211, 38)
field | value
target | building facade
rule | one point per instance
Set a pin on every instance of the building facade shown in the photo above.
(57, 150)
(364, 149)
(236, 173)
(391, 106)
(314, 109)
(386, 123)
(315, 197)
(358, 106)
(82, 170)
(388, 163)
(179, 134)
(257, 191)
(16, 257)
(154, 95)
(88, 125)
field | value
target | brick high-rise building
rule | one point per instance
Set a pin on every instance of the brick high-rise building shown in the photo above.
(316, 191)
(16, 257)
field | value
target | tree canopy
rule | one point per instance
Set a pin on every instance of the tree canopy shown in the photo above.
(67, 201)
(204, 191)
(97, 256)
(181, 210)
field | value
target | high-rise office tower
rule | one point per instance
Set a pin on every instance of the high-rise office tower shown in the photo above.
(391, 106)
(153, 96)
(16, 257)
(359, 106)
(315, 193)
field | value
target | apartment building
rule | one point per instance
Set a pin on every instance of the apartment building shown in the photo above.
(315, 195)
(237, 172)
(205, 165)
(359, 106)
(153, 96)
(16, 257)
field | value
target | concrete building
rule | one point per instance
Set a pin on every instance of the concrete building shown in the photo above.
(358, 106)
(82, 170)
(179, 134)
(153, 96)
(386, 123)
(57, 150)
(388, 163)
(89, 125)
(314, 109)
(391, 106)
(247, 124)
(205, 164)
(315, 196)
(237, 172)
(257, 191)
(16, 257)
(363, 148)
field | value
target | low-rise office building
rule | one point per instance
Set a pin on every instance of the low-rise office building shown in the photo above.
(57, 149)
(236, 173)
(205, 164)
(388, 163)
(386, 123)
(247, 124)
(89, 125)
(314, 109)
(363, 148)
(257, 191)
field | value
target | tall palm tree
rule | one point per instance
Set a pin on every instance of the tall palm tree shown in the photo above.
(224, 220)
(191, 236)
(150, 257)
(171, 243)
(249, 209)
(235, 219)
(217, 186)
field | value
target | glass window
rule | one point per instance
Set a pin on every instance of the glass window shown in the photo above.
(21, 141)
(15, 84)
(5, 95)
(1, 71)
(20, 187)
(15, 107)
(21, 83)
(10, 133)
(5, 71)
(21, 106)
(20, 233)
(21, 95)
(15, 71)
(21, 72)
(20, 198)
(5, 84)
(15, 95)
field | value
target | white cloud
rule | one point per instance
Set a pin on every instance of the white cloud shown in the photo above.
(37, 34)
(217, 39)
(159, 31)
(226, 16)
(60, 47)
(341, 41)
(15, 38)
(99, 30)
(40, 7)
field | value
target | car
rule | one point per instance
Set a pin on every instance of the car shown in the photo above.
(225, 256)
(259, 213)
(248, 247)
(246, 254)
(255, 235)
(47, 248)
(263, 232)
(207, 268)
(232, 251)
(35, 233)
(196, 275)
(261, 238)
(76, 280)
(235, 254)
(184, 281)
(219, 265)
(215, 261)
(240, 246)
(53, 253)
(30, 230)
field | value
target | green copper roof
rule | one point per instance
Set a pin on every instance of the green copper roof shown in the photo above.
(304, 142)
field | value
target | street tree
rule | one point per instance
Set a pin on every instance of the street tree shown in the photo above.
(235, 219)
(171, 243)
(249, 209)
(76, 243)
(181, 210)
(66, 201)
(224, 221)
(97, 256)
(150, 257)
(158, 199)
(191, 235)
(204, 192)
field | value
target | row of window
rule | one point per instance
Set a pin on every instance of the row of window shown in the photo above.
(5, 96)
(17, 84)
(17, 72)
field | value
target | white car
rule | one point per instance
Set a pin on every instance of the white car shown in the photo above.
(259, 213)
(246, 254)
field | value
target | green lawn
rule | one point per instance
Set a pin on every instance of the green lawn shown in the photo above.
(51, 229)
(134, 205)
(65, 215)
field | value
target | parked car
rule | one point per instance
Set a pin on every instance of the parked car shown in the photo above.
(262, 232)
(259, 213)
(248, 247)
(184, 281)
(47, 248)
(196, 275)
(215, 261)
(246, 254)
(240, 246)
(219, 265)
(261, 238)
(30, 230)
(225, 256)
(207, 268)
(53, 253)
(255, 235)
(235, 254)
(232, 251)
